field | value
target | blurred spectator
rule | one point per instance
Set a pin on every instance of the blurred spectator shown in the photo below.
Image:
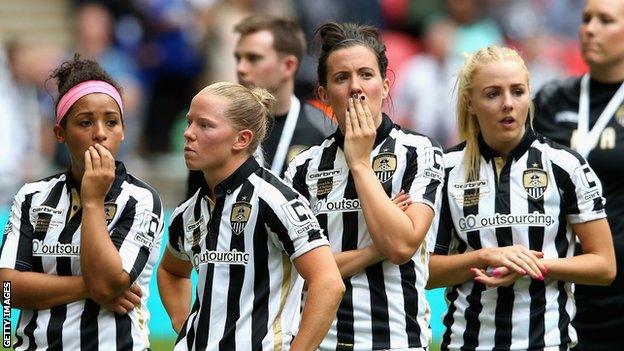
(562, 18)
(474, 30)
(24, 148)
(94, 39)
(13, 137)
(423, 93)
(312, 14)
(171, 61)
(268, 52)
(410, 16)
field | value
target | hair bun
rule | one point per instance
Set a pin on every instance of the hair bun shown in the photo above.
(266, 99)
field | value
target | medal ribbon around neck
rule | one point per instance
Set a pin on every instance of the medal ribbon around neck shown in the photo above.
(586, 139)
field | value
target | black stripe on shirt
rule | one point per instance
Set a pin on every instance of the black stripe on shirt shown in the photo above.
(24, 259)
(299, 179)
(410, 303)
(54, 331)
(537, 288)
(89, 326)
(564, 182)
(379, 306)
(451, 295)
(471, 334)
(326, 163)
(446, 228)
(203, 325)
(237, 277)
(260, 311)
(29, 331)
(568, 202)
(506, 296)
(411, 168)
(123, 328)
(344, 316)
(195, 249)
(123, 226)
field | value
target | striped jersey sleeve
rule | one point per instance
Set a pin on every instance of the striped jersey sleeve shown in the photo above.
(175, 244)
(139, 229)
(18, 234)
(295, 228)
(443, 235)
(424, 173)
(581, 189)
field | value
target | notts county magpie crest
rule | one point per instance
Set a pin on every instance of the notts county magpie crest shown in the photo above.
(240, 216)
(384, 166)
(535, 181)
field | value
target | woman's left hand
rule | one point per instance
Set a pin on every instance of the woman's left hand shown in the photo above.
(99, 174)
(360, 132)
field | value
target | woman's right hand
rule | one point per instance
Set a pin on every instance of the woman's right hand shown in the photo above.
(360, 133)
(504, 278)
(402, 200)
(517, 258)
(127, 301)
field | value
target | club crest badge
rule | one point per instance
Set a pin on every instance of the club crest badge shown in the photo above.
(384, 166)
(535, 182)
(241, 211)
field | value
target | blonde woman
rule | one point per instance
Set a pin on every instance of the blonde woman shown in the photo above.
(513, 205)
(247, 234)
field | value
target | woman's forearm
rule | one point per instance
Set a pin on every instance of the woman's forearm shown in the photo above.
(37, 291)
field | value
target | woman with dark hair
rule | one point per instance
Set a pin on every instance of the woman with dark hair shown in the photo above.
(587, 114)
(80, 246)
(350, 180)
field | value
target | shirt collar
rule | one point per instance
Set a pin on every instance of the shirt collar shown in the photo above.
(488, 153)
(383, 131)
(231, 183)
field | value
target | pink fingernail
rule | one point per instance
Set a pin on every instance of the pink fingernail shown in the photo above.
(495, 273)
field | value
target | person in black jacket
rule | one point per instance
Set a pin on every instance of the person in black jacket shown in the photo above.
(587, 114)
(268, 55)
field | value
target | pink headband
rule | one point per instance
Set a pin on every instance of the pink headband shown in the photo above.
(82, 89)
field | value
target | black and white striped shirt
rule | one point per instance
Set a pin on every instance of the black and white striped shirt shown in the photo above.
(537, 194)
(43, 236)
(384, 306)
(242, 245)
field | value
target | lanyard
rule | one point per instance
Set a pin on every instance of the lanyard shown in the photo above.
(286, 137)
(587, 139)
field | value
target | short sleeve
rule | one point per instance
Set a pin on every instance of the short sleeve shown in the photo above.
(425, 174)
(295, 227)
(583, 200)
(137, 232)
(18, 234)
(175, 244)
(442, 231)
